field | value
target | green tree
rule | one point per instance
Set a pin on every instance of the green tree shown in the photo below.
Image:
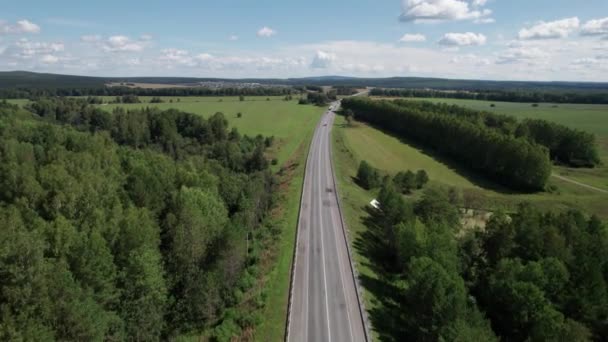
(367, 176)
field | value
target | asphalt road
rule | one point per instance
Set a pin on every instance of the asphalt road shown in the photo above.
(324, 303)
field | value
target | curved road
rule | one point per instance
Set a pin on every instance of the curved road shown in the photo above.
(324, 302)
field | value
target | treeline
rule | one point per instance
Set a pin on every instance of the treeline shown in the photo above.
(319, 99)
(497, 95)
(369, 178)
(531, 276)
(347, 91)
(35, 93)
(511, 161)
(566, 145)
(127, 225)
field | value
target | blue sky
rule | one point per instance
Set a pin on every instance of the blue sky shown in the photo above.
(486, 39)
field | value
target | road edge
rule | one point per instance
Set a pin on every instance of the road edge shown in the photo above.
(352, 262)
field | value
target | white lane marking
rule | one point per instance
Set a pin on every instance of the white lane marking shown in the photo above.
(346, 301)
(322, 246)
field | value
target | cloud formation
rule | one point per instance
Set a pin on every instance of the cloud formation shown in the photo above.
(322, 60)
(123, 44)
(521, 54)
(266, 32)
(463, 39)
(413, 38)
(21, 26)
(595, 27)
(439, 10)
(550, 30)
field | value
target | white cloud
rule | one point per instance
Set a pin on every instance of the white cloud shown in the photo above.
(26, 26)
(322, 60)
(550, 30)
(434, 10)
(172, 57)
(413, 38)
(21, 26)
(521, 54)
(27, 49)
(470, 59)
(233, 37)
(595, 27)
(145, 37)
(123, 44)
(49, 59)
(478, 3)
(462, 39)
(266, 32)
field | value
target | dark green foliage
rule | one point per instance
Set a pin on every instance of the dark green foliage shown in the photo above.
(367, 176)
(485, 93)
(125, 226)
(319, 99)
(408, 181)
(567, 145)
(514, 162)
(549, 266)
(535, 276)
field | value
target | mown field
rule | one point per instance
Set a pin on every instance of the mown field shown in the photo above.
(586, 117)
(385, 152)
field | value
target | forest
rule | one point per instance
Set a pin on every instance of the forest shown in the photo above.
(522, 95)
(528, 276)
(515, 162)
(35, 93)
(566, 145)
(126, 225)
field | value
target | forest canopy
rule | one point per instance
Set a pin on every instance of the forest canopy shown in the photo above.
(124, 225)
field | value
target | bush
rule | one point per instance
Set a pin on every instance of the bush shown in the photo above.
(367, 176)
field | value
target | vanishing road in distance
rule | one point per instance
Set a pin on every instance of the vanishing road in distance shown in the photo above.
(324, 302)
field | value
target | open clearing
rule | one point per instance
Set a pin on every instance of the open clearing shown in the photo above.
(587, 117)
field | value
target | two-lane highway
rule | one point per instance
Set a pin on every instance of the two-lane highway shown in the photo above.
(324, 302)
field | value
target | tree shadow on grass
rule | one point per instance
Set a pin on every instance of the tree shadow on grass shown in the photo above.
(385, 315)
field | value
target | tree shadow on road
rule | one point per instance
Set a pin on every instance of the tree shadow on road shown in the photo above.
(385, 315)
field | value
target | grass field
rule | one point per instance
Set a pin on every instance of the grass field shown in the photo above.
(285, 120)
(586, 117)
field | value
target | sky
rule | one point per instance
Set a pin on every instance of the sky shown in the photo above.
(548, 40)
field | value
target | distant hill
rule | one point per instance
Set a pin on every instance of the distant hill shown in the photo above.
(24, 79)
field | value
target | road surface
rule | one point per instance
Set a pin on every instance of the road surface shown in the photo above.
(324, 302)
